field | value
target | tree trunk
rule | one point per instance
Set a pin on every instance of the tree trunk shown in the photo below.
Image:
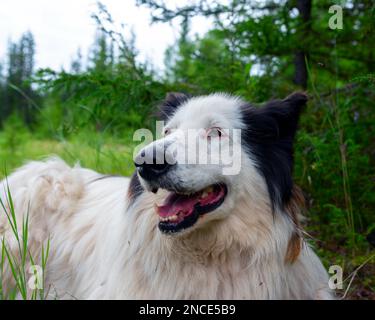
(301, 54)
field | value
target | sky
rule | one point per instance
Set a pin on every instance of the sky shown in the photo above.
(60, 27)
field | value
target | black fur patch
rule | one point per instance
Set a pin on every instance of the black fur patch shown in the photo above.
(171, 103)
(269, 135)
(135, 188)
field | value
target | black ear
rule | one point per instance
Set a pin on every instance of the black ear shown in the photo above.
(287, 113)
(280, 117)
(170, 104)
(268, 135)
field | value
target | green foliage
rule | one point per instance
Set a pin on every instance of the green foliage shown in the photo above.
(113, 93)
(334, 165)
(110, 100)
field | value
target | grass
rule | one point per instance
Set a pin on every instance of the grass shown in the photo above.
(26, 272)
(94, 151)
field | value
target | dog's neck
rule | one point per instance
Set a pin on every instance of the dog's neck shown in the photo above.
(242, 246)
(243, 232)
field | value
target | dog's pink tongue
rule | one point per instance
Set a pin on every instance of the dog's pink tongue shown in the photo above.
(175, 204)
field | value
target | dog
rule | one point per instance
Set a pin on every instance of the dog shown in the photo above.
(176, 229)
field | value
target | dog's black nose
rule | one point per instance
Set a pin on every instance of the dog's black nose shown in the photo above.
(154, 170)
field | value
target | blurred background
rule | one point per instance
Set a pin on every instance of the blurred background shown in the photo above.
(78, 77)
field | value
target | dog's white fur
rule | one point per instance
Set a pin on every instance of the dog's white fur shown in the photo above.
(103, 247)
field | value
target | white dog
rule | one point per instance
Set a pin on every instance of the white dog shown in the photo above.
(178, 230)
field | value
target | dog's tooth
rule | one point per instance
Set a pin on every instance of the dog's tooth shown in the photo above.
(209, 189)
(169, 219)
(204, 194)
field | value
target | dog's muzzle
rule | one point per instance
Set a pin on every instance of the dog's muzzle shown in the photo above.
(152, 171)
(153, 161)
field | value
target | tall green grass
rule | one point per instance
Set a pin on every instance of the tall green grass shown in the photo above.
(28, 283)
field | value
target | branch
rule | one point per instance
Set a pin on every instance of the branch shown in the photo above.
(203, 7)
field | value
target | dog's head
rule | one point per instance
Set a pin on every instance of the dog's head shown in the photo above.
(215, 149)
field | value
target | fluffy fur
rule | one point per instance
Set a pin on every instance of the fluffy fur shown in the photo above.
(105, 241)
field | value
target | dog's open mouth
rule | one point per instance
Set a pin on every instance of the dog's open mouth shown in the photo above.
(182, 211)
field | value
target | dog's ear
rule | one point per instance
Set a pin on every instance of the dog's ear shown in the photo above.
(276, 119)
(171, 103)
(285, 114)
(269, 134)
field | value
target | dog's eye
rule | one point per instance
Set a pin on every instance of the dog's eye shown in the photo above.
(214, 132)
(167, 131)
